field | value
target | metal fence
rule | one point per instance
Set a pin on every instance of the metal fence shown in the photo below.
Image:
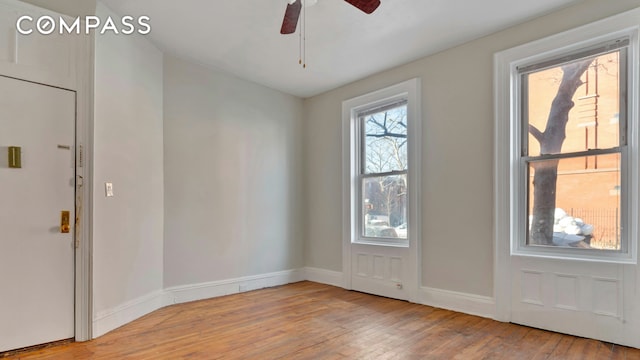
(606, 226)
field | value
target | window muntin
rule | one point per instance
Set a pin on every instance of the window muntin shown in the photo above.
(573, 140)
(383, 169)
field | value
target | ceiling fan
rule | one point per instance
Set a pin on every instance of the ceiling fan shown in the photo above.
(292, 14)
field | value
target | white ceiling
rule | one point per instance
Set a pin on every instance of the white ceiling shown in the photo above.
(344, 44)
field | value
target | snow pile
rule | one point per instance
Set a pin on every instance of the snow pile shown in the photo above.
(567, 229)
(570, 225)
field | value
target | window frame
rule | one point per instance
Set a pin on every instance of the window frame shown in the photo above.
(510, 169)
(353, 167)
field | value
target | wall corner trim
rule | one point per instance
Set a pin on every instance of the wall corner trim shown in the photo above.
(110, 319)
(322, 276)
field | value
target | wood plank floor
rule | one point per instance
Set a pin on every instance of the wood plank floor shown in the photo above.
(313, 321)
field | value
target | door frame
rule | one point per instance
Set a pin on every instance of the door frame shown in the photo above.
(84, 193)
(412, 90)
(80, 81)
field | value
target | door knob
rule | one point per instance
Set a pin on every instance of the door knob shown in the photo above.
(64, 222)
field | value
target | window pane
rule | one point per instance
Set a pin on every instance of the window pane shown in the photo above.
(582, 209)
(589, 90)
(385, 206)
(385, 140)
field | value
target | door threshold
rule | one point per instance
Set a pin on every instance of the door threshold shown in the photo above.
(15, 352)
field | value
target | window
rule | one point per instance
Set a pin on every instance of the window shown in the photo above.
(568, 126)
(572, 143)
(383, 170)
(380, 161)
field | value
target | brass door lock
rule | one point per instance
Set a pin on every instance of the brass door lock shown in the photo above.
(64, 222)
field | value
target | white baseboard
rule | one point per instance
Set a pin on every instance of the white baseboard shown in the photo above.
(186, 293)
(483, 306)
(445, 299)
(108, 320)
(111, 319)
(322, 276)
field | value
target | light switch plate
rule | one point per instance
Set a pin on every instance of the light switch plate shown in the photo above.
(108, 189)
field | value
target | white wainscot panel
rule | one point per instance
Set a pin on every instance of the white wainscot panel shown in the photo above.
(606, 297)
(396, 269)
(362, 264)
(531, 287)
(567, 291)
(378, 267)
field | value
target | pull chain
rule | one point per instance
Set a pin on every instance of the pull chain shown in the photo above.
(302, 41)
(304, 36)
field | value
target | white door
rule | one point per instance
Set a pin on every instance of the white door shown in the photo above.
(381, 167)
(36, 257)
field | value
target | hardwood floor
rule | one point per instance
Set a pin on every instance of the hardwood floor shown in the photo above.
(313, 321)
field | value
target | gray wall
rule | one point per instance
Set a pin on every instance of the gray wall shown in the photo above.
(457, 168)
(233, 177)
(69, 7)
(128, 136)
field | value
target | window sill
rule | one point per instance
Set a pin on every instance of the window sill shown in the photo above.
(574, 254)
(399, 243)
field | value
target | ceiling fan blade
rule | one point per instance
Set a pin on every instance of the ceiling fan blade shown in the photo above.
(291, 16)
(368, 6)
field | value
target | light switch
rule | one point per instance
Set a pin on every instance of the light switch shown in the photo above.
(108, 189)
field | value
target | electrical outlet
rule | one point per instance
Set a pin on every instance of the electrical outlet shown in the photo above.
(108, 189)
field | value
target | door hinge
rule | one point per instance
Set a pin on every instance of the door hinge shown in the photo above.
(80, 156)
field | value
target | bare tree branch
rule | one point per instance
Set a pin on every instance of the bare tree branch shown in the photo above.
(536, 133)
(388, 134)
(385, 129)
